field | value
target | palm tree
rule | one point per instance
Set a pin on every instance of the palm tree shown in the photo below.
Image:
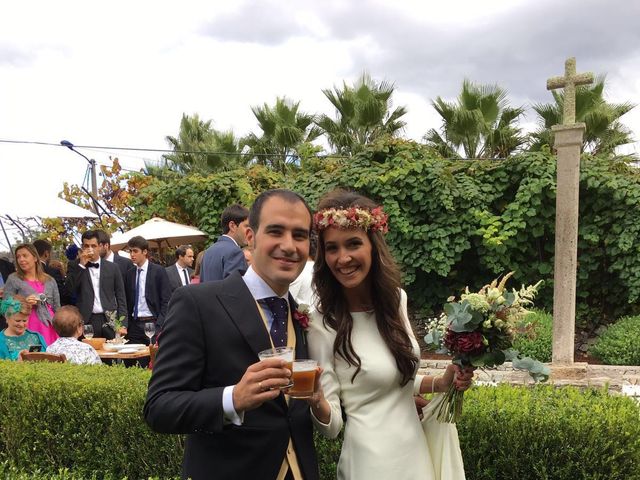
(479, 124)
(363, 114)
(284, 129)
(199, 148)
(604, 131)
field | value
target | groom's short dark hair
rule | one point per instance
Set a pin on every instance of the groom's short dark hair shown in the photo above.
(287, 195)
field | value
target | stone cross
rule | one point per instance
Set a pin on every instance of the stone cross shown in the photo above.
(568, 143)
(569, 82)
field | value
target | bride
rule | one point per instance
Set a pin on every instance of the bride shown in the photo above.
(363, 341)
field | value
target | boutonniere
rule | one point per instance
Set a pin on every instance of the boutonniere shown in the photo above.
(301, 315)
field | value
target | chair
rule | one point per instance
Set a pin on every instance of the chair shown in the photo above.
(43, 357)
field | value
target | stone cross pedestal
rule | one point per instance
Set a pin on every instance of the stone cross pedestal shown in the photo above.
(568, 143)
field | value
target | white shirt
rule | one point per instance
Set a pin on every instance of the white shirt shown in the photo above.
(259, 289)
(94, 273)
(181, 275)
(143, 308)
(76, 351)
(110, 257)
(301, 288)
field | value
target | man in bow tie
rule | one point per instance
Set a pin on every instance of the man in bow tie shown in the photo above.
(98, 287)
(207, 379)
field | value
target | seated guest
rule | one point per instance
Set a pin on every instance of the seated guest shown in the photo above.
(16, 338)
(69, 325)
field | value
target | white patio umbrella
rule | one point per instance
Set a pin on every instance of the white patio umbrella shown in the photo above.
(50, 207)
(160, 231)
(45, 208)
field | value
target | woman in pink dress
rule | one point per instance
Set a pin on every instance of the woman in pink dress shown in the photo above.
(39, 289)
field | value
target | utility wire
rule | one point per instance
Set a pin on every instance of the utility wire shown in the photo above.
(161, 150)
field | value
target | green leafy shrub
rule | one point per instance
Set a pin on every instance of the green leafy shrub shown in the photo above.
(620, 343)
(69, 422)
(549, 433)
(536, 337)
(84, 418)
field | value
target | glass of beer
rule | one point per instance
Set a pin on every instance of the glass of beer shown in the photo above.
(304, 378)
(285, 353)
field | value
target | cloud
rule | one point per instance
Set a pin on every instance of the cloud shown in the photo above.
(266, 23)
(17, 57)
(518, 48)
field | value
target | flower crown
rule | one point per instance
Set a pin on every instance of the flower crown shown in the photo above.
(10, 306)
(353, 217)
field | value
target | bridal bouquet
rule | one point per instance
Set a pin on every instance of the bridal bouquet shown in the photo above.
(478, 331)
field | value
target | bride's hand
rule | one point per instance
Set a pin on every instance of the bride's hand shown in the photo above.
(318, 394)
(462, 378)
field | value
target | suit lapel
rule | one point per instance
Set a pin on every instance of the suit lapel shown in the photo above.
(243, 311)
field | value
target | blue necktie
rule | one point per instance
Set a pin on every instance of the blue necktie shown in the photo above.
(280, 310)
(136, 295)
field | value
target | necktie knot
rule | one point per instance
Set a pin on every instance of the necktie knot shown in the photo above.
(280, 314)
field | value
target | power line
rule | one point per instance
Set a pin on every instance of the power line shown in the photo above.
(162, 150)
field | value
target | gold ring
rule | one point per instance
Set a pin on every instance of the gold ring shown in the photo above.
(260, 386)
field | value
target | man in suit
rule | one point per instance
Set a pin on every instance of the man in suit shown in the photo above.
(180, 272)
(124, 264)
(207, 381)
(225, 256)
(148, 291)
(97, 286)
(44, 252)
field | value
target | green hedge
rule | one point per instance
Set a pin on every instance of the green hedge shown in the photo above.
(536, 339)
(66, 422)
(84, 418)
(620, 343)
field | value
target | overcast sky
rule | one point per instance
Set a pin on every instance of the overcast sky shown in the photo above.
(121, 73)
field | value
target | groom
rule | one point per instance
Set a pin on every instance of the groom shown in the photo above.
(207, 381)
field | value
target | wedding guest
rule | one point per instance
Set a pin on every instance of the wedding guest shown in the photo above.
(69, 325)
(148, 292)
(180, 272)
(195, 278)
(39, 289)
(98, 287)
(107, 254)
(44, 249)
(363, 341)
(225, 256)
(17, 338)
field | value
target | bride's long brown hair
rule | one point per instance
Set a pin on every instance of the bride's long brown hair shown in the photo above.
(385, 294)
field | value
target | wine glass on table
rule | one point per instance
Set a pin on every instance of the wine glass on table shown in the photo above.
(88, 331)
(149, 330)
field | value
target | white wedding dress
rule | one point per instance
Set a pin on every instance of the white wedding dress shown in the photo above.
(383, 437)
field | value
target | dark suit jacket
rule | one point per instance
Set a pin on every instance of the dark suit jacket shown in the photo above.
(65, 296)
(112, 296)
(123, 263)
(156, 290)
(212, 334)
(6, 269)
(174, 276)
(222, 259)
